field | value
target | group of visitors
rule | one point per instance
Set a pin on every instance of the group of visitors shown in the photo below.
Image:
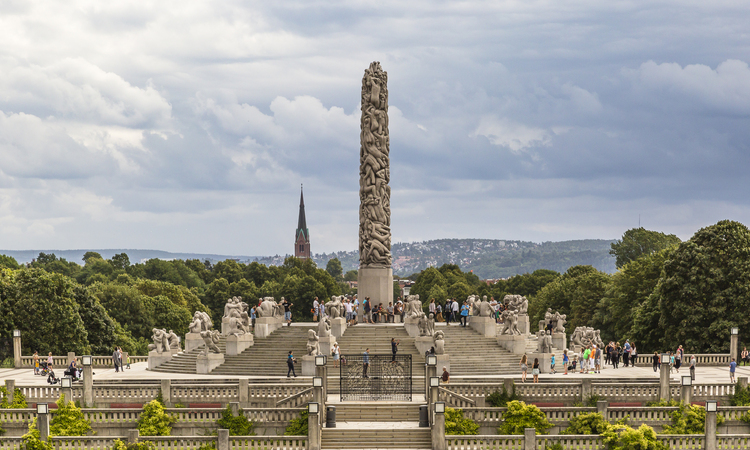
(117, 360)
(614, 351)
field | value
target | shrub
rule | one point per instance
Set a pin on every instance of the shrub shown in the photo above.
(237, 425)
(143, 445)
(500, 399)
(587, 423)
(297, 427)
(155, 421)
(662, 402)
(622, 437)
(741, 396)
(32, 440)
(19, 400)
(455, 423)
(689, 419)
(589, 401)
(520, 416)
(68, 420)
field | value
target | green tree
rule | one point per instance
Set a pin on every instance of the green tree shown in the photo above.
(155, 421)
(216, 296)
(68, 420)
(168, 315)
(351, 275)
(91, 255)
(438, 293)
(334, 268)
(99, 325)
(519, 416)
(576, 293)
(457, 424)
(8, 262)
(623, 437)
(120, 261)
(128, 306)
(230, 270)
(638, 242)
(425, 282)
(629, 289)
(704, 289)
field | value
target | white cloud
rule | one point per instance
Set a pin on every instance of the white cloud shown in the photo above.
(515, 136)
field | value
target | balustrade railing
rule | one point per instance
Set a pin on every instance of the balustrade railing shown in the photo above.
(484, 442)
(166, 442)
(570, 442)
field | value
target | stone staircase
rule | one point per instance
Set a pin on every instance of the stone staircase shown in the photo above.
(267, 357)
(472, 354)
(392, 425)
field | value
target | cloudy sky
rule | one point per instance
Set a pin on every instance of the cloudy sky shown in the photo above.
(189, 126)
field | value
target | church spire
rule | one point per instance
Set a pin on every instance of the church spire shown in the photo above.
(302, 235)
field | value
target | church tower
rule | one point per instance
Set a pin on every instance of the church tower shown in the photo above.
(302, 235)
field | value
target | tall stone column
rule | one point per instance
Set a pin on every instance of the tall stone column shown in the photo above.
(375, 278)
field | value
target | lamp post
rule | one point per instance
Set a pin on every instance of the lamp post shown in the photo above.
(66, 384)
(711, 408)
(88, 380)
(313, 425)
(686, 389)
(321, 370)
(438, 427)
(430, 371)
(664, 392)
(17, 349)
(734, 343)
(42, 420)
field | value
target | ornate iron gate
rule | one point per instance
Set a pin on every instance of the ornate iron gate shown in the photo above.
(382, 379)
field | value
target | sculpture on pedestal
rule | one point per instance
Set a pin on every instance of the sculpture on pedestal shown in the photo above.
(545, 342)
(174, 340)
(324, 328)
(201, 322)
(161, 341)
(431, 325)
(413, 307)
(335, 308)
(483, 308)
(313, 343)
(422, 325)
(374, 171)
(510, 323)
(560, 321)
(235, 306)
(269, 308)
(439, 342)
(517, 303)
(211, 339)
(586, 336)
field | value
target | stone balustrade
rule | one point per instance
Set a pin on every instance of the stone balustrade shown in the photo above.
(579, 442)
(703, 359)
(98, 362)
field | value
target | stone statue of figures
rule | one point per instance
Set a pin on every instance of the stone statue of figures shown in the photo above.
(413, 307)
(235, 305)
(161, 341)
(439, 342)
(174, 340)
(517, 303)
(334, 307)
(267, 307)
(431, 325)
(422, 325)
(560, 321)
(374, 171)
(324, 328)
(547, 342)
(485, 309)
(510, 322)
(211, 339)
(313, 343)
(236, 325)
(196, 326)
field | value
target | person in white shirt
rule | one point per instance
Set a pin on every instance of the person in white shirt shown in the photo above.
(316, 306)
(348, 306)
(454, 307)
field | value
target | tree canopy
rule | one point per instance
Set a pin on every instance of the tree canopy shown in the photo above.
(638, 242)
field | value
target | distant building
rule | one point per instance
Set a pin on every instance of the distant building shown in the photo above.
(302, 235)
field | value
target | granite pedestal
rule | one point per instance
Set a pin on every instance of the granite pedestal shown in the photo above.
(411, 325)
(397, 318)
(423, 343)
(514, 343)
(308, 366)
(485, 326)
(204, 364)
(238, 344)
(326, 345)
(376, 283)
(156, 359)
(523, 324)
(559, 341)
(264, 326)
(338, 326)
(193, 341)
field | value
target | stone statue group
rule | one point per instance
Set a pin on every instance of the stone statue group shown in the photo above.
(164, 341)
(517, 305)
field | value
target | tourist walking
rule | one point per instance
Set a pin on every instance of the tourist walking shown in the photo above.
(626, 353)
(116, 360)
(365, 362)
(732, 367)
(565, 361)
(36, 363)
(446, 377)
(290, 360)
(616, 356)
(678, 359)
(655, 361)
(287, 311)
(336, 353)
(349, 316)
(439, 317)
(454, 308)
(693, 361)
(597, 359)
(535, 370)
(552, 364)
(464, 313)
(316, 305)
(524, 368)
(368, 310)
(394, 349)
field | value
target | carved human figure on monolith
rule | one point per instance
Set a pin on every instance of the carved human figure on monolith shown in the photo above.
(211, 339)
(174, 340)
(324, 328)
(510, 323)
(422, 325)
(161, 340)
(313, 343)
(560, 321)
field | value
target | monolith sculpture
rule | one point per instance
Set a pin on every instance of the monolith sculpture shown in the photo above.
(375, 278)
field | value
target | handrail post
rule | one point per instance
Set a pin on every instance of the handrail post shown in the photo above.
(166, 392)
(10, 387)
(222, 440)
(243, 392)
(529, 439)
(17, 349)
(438, 429)
(133, 436)
(313, 431)
(710, 426)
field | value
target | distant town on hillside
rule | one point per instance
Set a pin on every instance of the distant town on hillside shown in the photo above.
(487, 258)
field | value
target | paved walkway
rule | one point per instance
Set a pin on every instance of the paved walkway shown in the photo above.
(138, 371)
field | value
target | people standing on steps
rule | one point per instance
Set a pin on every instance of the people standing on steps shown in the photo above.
(565, 361)
(464, 313)
(336, 352)
(655, 361)
(368, 310)
(432, 308)
(524, 368)
(597, 359)
(446, 377)
(315, 307)
(290, 360)
(454, 308)
(693, 361)
(394, 349)
(626, 353)
(116, 360)
(439, 317)
(349, 316)
(365, 362)
(552, 364)
(535, 370)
